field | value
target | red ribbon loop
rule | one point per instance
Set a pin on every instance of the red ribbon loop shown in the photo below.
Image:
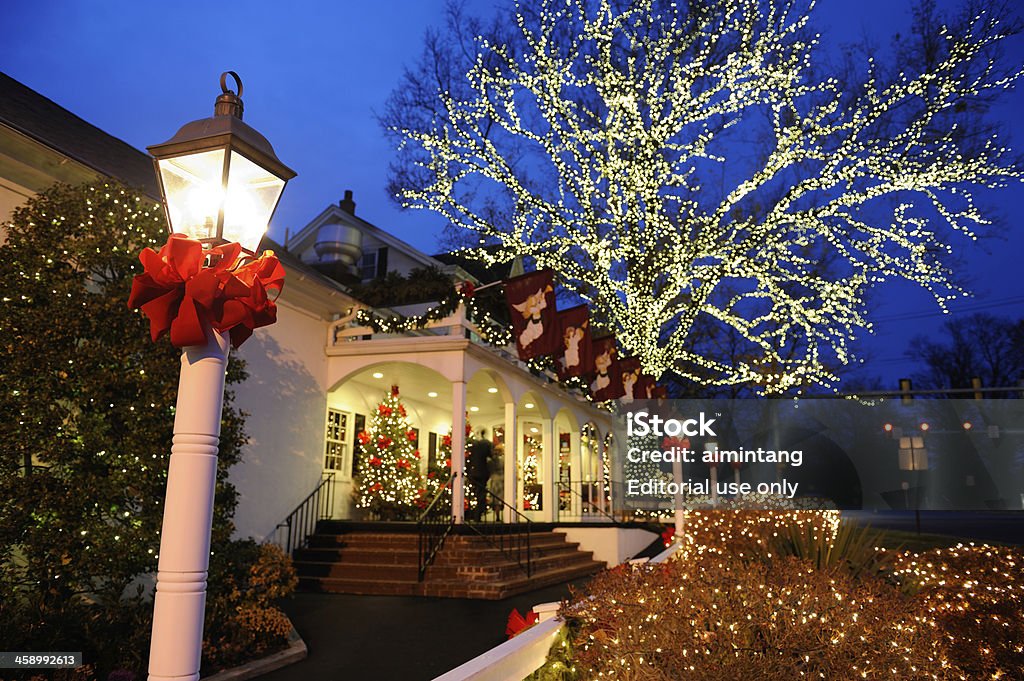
(177, 293)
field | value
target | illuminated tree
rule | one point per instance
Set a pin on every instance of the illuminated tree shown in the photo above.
(686, 169)
(390, 485)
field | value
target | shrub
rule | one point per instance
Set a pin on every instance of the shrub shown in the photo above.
(242, 620)
(733, 605)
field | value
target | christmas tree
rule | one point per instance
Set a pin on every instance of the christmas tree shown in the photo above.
(390, 485)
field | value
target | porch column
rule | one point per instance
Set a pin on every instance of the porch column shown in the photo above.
(549, 486)
(511, 489)
(576, 473)
(604, 478)
(458, 450)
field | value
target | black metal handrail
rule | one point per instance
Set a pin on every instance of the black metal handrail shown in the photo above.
(511, 538)
(301, 522)
(595, 508)
(433, 526)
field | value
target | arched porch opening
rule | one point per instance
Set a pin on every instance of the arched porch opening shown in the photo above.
(351, 402)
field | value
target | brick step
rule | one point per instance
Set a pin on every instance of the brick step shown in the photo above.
(498, 590)
(363, 540)
(509, 568)
(375, 556)
(357, 571)
(487, 554)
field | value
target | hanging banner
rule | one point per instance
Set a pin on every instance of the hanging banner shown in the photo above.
(577, 350)
(607, 385)
(630, 370)
(645, 386)
(531, 304)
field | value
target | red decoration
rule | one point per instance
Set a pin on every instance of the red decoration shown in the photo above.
(668, 536)
(364, 438)
(384, 410)
(374, 461)
(517, 623)
(412, 435)
(401, 463)
(178, 294)
(467, 290)
(394, 391)
(446, 440)
(383, 442)
(670, 442)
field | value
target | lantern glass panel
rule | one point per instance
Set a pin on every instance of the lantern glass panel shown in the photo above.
(194, 188)
(252, 195)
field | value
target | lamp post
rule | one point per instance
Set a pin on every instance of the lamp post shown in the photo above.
(221, 182)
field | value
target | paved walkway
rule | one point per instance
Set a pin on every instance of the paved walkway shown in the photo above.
(379, 638)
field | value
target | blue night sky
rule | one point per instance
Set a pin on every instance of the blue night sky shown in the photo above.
(315, 72)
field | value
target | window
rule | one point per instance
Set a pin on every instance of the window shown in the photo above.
(374, 264)
(336, 439)
(359, 425)
(432, 449)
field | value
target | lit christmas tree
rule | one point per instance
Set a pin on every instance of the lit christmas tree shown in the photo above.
(611, 142)
(390, 485)
(531, 484)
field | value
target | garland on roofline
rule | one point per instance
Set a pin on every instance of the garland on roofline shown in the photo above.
(462, 295)
(491, 333)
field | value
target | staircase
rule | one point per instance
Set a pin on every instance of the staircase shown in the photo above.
(360, 560)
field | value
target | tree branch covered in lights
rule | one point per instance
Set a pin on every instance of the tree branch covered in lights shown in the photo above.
(687, 169)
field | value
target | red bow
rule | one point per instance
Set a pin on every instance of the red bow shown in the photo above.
(176, 292)
(668, 536)
(516, 622)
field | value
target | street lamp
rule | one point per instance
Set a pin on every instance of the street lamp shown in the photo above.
(220, 179)
(221, 182)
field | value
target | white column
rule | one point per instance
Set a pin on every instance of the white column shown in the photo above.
(576, 473)
(547, 429)
(603, 453)
(511, 489)
(677, 477)
(459, 449)
(180, 600)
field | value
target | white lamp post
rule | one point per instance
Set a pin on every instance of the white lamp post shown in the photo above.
(221, 182)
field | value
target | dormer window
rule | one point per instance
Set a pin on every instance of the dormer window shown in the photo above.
(374, 264)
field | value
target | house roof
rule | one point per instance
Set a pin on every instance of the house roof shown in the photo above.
(33, 115)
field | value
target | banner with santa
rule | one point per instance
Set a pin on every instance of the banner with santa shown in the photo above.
(577, 352)
(607, 384)
(531, 304)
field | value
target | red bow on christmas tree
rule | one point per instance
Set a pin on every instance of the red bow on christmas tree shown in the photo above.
(176, 292)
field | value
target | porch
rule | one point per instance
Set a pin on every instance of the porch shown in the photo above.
(548, 445)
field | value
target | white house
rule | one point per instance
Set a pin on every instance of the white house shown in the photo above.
(315, 376)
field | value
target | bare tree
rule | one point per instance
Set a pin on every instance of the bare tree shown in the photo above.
(612, 141)
(982, 345)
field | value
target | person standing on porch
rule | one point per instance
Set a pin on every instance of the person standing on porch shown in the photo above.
(477, 472)
(496, 480)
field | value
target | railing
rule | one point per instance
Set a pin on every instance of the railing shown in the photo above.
(511, 538)
(433, 527)
(584, 502)
(301, 522)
